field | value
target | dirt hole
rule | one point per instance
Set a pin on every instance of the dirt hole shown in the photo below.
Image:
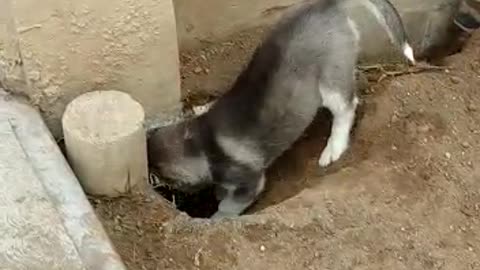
(199, 204)
(202, 202)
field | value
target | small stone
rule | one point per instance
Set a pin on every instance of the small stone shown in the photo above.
(262, 248)
(455, 80)
(471, 108)
(411, 165)
(465, 145)
(196, 259)
(448, 155)
(51, 91)
(394, 118)
(424, 128)
(197, 70)
(189, 27)
(34, 75)
(394, 148)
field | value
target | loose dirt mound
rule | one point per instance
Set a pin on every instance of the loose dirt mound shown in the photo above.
(406, 196)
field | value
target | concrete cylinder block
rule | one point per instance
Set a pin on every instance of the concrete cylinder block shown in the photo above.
(105, 141)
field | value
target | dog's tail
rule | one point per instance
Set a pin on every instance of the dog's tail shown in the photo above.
(390, 20)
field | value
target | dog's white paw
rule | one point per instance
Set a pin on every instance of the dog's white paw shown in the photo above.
(333, 151)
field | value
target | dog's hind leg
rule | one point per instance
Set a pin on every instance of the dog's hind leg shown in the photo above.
(343, 111)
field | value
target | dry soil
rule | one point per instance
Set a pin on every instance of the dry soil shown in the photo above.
(405, 196)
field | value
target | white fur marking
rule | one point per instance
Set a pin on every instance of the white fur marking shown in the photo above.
(355, 31)
(261, 185)
(241, 151)
(332, 99)
(408, 52)
(466, 30)
(188, 170)
(370, 6)
(343, 117)
(407, 49)
(355, 101)
(339, 139)
(229, 207)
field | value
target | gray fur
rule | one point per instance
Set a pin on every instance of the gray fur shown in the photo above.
(307, 62)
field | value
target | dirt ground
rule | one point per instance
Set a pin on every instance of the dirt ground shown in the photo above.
(405, 196)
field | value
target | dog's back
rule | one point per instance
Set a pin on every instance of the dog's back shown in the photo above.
(277, 95)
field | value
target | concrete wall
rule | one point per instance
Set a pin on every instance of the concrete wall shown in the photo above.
(208, 20)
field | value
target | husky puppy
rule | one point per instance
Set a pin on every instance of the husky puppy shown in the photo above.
(306, 62)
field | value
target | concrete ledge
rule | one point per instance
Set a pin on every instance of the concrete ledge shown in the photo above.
(195, 24)
(47, 222)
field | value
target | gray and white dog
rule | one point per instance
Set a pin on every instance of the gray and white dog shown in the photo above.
(307, 62)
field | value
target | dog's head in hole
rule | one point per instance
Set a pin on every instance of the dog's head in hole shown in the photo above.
(176, 157)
